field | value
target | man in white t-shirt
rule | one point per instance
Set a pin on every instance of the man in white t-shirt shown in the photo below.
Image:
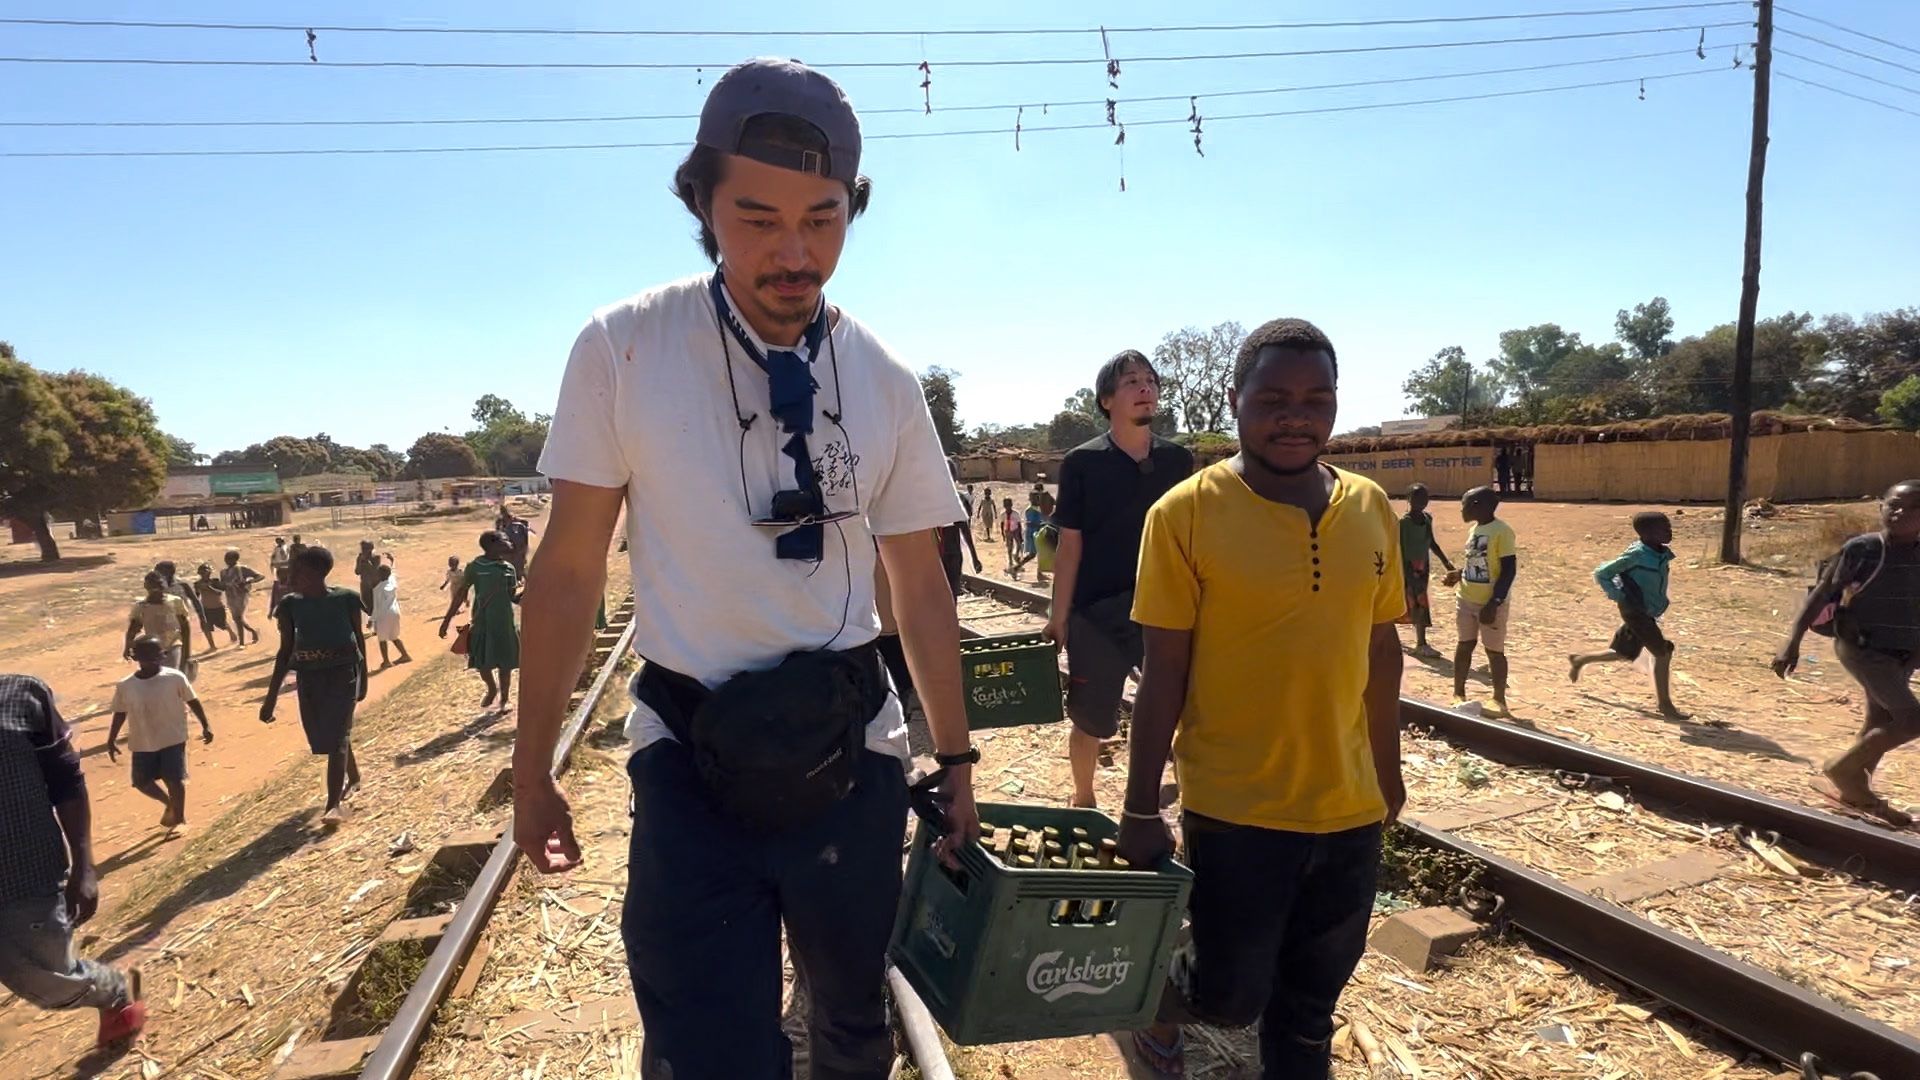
(763, 441)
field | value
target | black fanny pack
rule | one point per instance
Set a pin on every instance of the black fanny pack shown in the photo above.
(774, 748)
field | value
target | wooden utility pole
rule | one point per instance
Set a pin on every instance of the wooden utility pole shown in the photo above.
(1742, 405)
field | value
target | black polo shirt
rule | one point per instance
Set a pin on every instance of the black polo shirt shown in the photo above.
(1104, 495)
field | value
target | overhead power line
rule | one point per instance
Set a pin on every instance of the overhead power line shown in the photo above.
(1849, 93)
(915, 109)
(1847, 30)
(1851, 52)
(622, 65)
(874, 137)
(1847, 71)
(509, 31)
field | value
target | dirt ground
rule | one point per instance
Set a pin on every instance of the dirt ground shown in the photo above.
(1747, 727)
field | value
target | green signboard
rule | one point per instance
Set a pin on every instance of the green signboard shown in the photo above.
(245, 483)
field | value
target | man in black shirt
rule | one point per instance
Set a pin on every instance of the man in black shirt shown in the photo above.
(1106, 486)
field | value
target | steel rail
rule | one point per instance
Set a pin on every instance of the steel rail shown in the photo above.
(393, 1057)
(1869, 851)
(1752, 1006)
(1749, 1004)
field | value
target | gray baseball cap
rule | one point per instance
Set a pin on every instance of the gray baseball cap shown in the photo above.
(768, 85)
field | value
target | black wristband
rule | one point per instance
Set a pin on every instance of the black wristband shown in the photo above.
(969, 756)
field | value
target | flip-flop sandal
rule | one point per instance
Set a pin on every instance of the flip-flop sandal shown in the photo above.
(1165, 1059)
(1881, 812)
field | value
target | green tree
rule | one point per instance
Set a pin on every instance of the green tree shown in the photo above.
(1697, 376)
(506, 441)
(1647, 330)
(1900, 404)
(181, 454)
(1196, 374)
(1071, 427)
(937, 385)
(492, 408)
(34, 428)
(1448, 384)
(1085, 401)
(116, 456)
(437, 454)
(1527, 359)
(1861, 360)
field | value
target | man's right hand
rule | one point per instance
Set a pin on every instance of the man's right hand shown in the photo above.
(266, 711)
(113, 750)
(1056, 630)
(543, 827)
(1144, 842)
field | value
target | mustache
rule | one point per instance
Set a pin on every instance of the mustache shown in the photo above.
(794, 277)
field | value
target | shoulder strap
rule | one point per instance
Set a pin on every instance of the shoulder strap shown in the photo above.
(1879, 559)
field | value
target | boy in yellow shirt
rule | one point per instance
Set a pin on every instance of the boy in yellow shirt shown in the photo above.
(1267, 593)
(1485, 579)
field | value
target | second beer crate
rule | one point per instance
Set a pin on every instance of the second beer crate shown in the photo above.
(1002, 954)
(1011, 679)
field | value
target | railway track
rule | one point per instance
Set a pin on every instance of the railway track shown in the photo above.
(398, 1047)
(1781, 1019)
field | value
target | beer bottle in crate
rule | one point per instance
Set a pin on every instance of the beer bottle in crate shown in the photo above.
(1064, 911)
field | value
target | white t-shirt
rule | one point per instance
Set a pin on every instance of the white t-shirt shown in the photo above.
(156, 709)
(645, 405)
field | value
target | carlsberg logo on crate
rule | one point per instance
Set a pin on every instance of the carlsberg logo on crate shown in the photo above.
(1001, 952)
(1054, 978)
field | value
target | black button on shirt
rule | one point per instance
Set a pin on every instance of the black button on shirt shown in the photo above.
(1105, 495)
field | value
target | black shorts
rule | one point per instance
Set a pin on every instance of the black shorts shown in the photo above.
(166, 763)
(1103, 647)
(327, 699)
(1639, 630)
(217, 618)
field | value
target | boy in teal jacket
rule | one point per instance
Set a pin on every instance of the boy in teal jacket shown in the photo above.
(1637, 583)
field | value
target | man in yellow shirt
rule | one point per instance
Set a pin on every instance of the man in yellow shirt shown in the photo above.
(1485, 579)
(1268, 589)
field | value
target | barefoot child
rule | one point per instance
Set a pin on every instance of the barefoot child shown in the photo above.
(1868, 597)
(213, 603)
(454, 574)
(238, 581)
(321, 638)
(152, 705)
(1010, 533)
(386, 613)
(1485, 580)
(1416, 543)
(1637, 582)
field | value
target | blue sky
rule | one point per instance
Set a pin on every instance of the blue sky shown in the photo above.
(374, 297)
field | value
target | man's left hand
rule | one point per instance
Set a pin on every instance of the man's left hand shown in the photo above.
(83, 894)
(963, 817)
(206, 734)
(1489, 612)
(977, 568)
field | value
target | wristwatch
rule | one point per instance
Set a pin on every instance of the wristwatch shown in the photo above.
(969, 756)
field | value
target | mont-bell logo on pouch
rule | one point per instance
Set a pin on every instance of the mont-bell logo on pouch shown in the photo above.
(1054, 975)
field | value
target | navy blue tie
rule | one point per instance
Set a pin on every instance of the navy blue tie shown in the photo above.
(791, 387)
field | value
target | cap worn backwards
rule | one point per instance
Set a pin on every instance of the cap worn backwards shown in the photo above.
(771, 86)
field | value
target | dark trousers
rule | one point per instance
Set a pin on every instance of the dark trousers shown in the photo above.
(705, 902)
(1279, 920)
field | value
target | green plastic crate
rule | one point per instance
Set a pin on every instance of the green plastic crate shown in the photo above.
(1010, 680)
(983, 947)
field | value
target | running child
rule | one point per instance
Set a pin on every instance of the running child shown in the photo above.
(1868, 598)
(163, 615)
(238, 581)
(152, 705)
(1485, 579)
(1637, 582)
(1010, 533)
(213, 603)
(386, 613)
(321, 638)
(454, 575)
(1417, 541)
